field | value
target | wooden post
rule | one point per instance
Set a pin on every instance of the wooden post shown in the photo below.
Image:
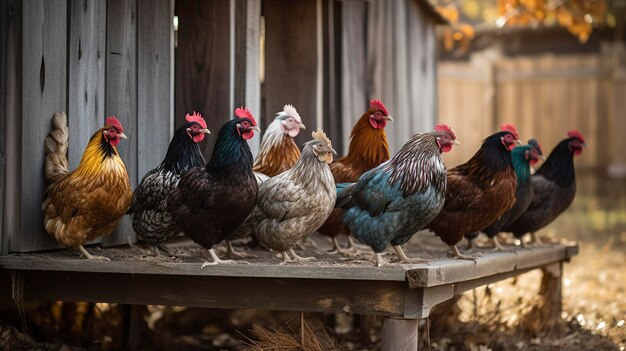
(399, 334)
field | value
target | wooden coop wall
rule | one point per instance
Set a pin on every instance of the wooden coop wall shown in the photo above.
(544, 95)
(123, 57)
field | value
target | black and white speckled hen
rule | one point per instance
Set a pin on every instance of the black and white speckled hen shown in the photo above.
(211, 201)
(554, 188)
(151, 219)
(295, 203)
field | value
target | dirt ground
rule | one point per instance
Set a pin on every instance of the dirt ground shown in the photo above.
(501, 316)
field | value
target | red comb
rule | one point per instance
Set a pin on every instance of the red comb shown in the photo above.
(114, 122)
(508, 127)
(576, 134)
(441, 127)
(243, 112)
(378, 105)
(196, 117)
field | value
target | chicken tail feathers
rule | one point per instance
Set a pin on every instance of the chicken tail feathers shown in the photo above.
(55, 145)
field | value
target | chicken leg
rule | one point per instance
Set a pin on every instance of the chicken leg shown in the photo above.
(455, 253)
(231, 253)
(89, 256)
(535, 240)
(405, 259)
(496, 244)
(216, 260)
(301, 259)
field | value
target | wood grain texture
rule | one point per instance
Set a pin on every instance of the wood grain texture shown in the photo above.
(86, 74)
(291, 60)
(44, 92)
(202, 77)
(121, 94)
(154, 80)
(399, 334)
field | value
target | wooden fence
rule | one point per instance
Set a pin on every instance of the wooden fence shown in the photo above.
(544, 95)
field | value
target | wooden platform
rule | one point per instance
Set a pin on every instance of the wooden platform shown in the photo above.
(331, 284)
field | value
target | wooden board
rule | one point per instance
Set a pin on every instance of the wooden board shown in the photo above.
(291, 61)
(202, 73)
(86, 57)
(154, 82)
(44, 92)
(121, 94)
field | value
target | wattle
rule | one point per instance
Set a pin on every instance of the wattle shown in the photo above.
(198, 137)
(248, 134)
(378, 124)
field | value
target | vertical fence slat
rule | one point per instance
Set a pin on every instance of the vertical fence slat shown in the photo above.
(44, 78)
(121, 93)
(154, 79)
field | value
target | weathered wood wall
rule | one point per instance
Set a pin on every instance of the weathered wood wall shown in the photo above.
(545, 96)
(81, 57)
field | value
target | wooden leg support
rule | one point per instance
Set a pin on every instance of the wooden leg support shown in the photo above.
(399, 335)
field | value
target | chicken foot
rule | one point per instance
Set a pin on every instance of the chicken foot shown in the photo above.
(89, 256)
(497, 246)
(404, 259)
(216, 260)
(352, 250)
(301, 259)
(231, 253)
(455, 253)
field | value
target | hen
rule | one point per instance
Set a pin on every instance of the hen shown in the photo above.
(554, 188)
(151, 219)
(368, 149)
(391, 202)
(212, 200)
(278, 153)
(295, 203)
(522, 158)
(90, 201)
(479, 191)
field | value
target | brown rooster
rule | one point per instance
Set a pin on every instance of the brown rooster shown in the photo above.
(90, 201)
(479, 191)
(368, 148)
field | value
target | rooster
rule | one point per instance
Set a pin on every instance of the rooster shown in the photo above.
(391, 202)
(211, 201)
(278, 153)
(554, 188)
(151, 219)
(522, 158)
(368, 149)
(90, 201)
(479, 191)
(295, 203)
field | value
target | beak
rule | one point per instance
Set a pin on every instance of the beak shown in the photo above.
(205, 131)
(389, 118)
(333, 151)
(456, 142)
(302, 126)
(122, 135)
(518, 142)
(541, 158)
(584, 144)
(256, 129)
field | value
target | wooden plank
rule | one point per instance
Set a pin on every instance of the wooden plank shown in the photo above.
(331, 40)
(291, 64)
(121, 94)
(399, 334)
(44, 92)
(329, 296)
(202, 73)
(247, 89)
(154, 79)
(86, 74)
(13, 112)
(4, 25)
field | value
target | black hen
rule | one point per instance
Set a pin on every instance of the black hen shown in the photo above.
(151, 219)
(522, 157)
(211, 201)
(554, 188)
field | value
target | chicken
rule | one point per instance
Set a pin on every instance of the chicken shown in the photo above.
(296, 203)
(278, 153)
(479, 191)
(151, 219)
(89, 202)
(522, 158)
(554, 188)
(391, 202)
(368, 148)
(212, 200)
